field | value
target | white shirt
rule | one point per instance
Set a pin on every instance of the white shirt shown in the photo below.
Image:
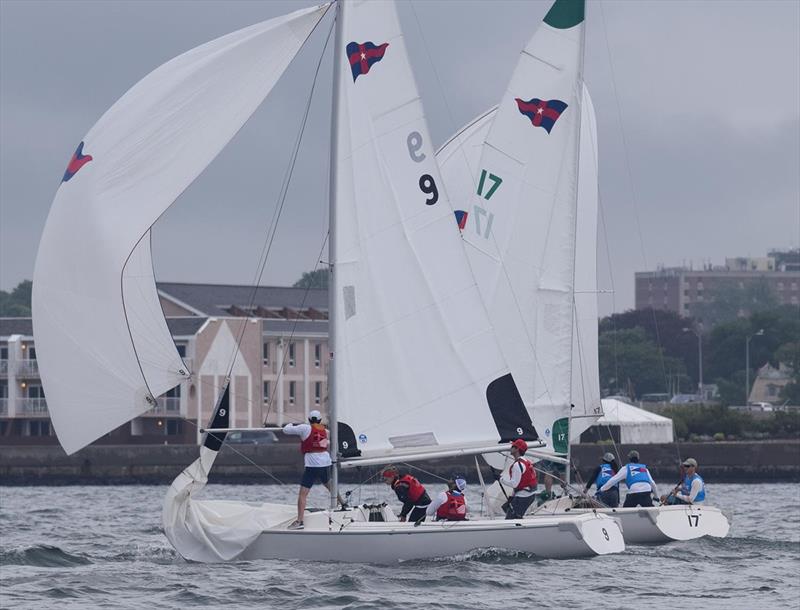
(517, 468)
(440, 500)
(318, 459)
(636, 487)
(697, 486)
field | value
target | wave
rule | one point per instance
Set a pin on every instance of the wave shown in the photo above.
(488, 555)
(42, 556)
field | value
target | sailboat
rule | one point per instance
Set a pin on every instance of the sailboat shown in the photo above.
(416, 372)
(497, 173)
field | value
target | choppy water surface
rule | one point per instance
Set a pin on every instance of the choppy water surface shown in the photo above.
(102, 547)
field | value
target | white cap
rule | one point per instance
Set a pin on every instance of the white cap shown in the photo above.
(315, 415)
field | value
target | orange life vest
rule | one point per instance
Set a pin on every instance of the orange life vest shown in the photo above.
(455, 509)
(317, 441)
(415, 488)
(528, 479)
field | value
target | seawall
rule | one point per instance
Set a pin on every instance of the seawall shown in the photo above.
(259, 464)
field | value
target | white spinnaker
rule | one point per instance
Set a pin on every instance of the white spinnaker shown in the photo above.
(458, 159)
(520, 227)
(103, 348)
(414, 349)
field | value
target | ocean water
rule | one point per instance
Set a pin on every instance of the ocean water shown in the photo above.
(102, 547)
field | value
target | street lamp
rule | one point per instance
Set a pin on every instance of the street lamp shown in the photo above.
(758, 333)
(699, 334)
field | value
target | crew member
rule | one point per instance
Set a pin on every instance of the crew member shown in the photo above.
(314, 444)
(450, 505)
(410, 492)
(604, 472)
(692, 489)
(522, 479)
(641, 486)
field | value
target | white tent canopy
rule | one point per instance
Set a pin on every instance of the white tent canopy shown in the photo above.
(636, 426)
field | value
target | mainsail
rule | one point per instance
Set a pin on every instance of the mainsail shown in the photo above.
(417, 365)
(102, 342)
(520, 219)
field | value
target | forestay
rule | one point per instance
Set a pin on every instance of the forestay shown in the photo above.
(103, 346)
(416, 361)
(520, 221)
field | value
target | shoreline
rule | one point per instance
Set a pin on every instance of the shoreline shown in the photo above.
(734, 461)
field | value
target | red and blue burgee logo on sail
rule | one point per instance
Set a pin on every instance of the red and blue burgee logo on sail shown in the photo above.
(362, 56)
(461, 218)
(78, 161)
(542, 113)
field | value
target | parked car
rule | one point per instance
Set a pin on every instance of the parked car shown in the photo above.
(252, 437)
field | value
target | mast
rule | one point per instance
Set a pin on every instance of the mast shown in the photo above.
(338, 49)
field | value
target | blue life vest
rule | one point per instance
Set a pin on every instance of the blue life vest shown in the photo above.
(637, 473)
(605, 474)
(686, 488)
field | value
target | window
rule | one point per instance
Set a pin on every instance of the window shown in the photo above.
(794, 285)
(31, 353)
(317, 354)
(3, 388)
(173, 427)
(780, 285)
(181, 347)
(317, 392)
(291, 354)
(39, 428)
(174, 392)
(35, 391)
(266, 393)
(292, 387)
(265, 353)
(3, 352)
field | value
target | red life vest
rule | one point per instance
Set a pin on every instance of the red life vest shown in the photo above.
(455, 509)
(528, 479)
(317, 441)
(415, 488)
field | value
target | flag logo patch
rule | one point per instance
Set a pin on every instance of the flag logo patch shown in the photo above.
(461, 219)
(542, 113)
(363, 56)
(77, 161)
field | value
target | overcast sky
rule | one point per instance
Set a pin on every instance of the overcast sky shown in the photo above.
(698, 109)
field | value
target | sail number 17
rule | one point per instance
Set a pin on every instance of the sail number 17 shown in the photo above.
(693, 520)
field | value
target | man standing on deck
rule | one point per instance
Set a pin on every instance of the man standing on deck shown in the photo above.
(641, 486)
(604, 472)
(410, 492)
(522, 479)
(692, 489)
(314, 444)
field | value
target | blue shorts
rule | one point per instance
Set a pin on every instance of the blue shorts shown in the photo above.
(312, 474)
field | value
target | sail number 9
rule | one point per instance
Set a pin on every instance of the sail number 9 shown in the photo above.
(414, 143)
(428, 186)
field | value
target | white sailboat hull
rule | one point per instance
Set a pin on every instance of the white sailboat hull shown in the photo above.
(662, 524)
(335, 537)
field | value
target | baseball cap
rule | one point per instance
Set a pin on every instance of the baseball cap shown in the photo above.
(690, 462)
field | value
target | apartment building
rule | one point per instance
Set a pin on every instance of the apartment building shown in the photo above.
(685, 290)
(278, 374)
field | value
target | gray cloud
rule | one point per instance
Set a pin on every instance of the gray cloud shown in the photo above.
(709, 94)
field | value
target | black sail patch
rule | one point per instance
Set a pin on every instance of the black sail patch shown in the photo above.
(508, 410)
(347, 441)
(221, 419)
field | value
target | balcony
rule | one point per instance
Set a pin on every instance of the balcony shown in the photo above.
(27, 368)
(3, 406)
(32, 406)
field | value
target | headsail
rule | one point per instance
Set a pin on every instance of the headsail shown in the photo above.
(520, 220)
(459, 158)
(103, 347)
(417, 363)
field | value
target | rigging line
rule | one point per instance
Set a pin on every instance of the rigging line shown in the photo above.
(291, 336)
(267, 246)
(634, 197)
(246, 458)
(613, 290)
(435, 476)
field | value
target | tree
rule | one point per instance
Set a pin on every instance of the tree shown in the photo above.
(313, 279)
(628, 355)
(17, 303)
